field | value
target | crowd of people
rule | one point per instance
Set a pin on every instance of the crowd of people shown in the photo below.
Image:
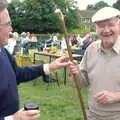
(20, 42)
(75, 41)
(99, 69)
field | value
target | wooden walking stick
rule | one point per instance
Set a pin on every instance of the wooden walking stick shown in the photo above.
(75, 76)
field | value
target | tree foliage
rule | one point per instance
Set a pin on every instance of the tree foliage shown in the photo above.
(117, 4)
(38, 15)
(90, 7)
(98, 5)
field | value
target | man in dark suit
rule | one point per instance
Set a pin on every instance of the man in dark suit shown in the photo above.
(11, 75)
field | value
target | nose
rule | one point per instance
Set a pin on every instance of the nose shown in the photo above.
(106, 29)
(10, 29)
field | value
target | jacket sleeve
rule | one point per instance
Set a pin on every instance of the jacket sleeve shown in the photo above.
(2, 118)
(26, 73)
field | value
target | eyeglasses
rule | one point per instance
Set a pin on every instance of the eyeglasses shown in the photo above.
(110, 23)
(6, 24)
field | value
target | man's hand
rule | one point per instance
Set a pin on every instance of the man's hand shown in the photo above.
(73, 67)
(26, 115)
(106, 97)
(59, 63)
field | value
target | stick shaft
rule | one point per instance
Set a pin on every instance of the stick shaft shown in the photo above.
(75, 76)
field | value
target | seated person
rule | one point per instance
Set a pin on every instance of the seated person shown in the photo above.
(86, 42)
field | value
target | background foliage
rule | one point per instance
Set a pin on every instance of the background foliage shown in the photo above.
(37, 16)
(102, 4)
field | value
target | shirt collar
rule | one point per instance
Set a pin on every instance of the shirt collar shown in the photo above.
(115, 48)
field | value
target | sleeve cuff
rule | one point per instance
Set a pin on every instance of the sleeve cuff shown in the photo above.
(8, 118)
(46, 69)
(2, 118)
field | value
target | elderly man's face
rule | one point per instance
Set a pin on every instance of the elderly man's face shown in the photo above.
(108, 30)
(5, 27)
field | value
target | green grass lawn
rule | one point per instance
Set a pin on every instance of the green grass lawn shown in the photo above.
(55, 103)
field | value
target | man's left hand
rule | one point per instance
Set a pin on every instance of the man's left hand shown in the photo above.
(106, 97)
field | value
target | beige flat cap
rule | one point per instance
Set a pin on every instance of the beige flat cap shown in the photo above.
(105, 13)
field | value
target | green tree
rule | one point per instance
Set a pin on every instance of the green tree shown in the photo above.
(15, 16)
(38, 15)
(90, 7)
(69, 10)
(117, 5)
(98, 5)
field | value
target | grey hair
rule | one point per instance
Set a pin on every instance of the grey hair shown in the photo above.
(3, 4)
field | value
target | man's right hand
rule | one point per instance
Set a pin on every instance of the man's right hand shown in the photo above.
(26, 115)
(59, 63)
(73, 67)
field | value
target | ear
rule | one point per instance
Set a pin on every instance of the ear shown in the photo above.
(119, 20)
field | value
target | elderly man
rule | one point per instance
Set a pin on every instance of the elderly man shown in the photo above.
(100, 67)
(11, 74)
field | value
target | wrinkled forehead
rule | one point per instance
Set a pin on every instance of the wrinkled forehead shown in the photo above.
(112, 20)
(4, 16)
